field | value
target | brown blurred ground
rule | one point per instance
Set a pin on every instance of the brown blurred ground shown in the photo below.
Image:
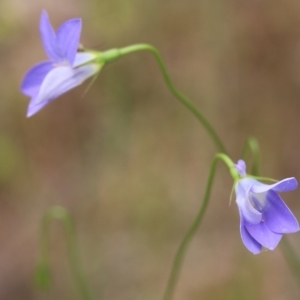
(131, 163)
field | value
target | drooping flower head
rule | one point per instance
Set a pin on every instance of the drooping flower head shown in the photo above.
(264, 215)
(65, 69)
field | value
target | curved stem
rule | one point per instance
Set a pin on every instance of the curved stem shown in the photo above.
(63, 215)
(114, 54)
(252, 146)
(177, 263)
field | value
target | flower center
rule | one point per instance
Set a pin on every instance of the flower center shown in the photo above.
(258, 201)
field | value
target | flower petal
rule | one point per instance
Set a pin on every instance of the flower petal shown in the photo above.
(263, 235)
(34, 107)
(285, 185)
(49, 39)
(68, 36)
(58, 81)
(241, 167)
(251, 244)
(34, 78)
(278, 216)
(83, 58)
(249, 213)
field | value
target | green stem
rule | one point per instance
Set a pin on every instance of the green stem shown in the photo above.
(114, 54)
(252, 147)
(63, 215)
(290, 256)
(177, 263)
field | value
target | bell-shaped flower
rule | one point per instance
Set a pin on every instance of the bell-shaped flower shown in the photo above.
(66, 69)
(264, 215)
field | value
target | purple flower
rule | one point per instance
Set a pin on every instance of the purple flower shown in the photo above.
(66, 68)
(264, 215)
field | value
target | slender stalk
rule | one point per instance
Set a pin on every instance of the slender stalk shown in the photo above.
(252, 147)
(63, 215)
(290, 256)
(177, 263)
(114, 54)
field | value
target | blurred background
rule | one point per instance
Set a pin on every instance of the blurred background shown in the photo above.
(131, 163)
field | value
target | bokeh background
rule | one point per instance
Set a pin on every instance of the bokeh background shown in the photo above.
(130, 162)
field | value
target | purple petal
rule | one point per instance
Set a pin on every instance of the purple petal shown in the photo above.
(68, 36)
(34, 107)
(49, 39)
(241, 167)
(278, 216)
(285, 185)
(58, 81)
(83, 58)
(263, 235)
(249, 213)
(251, 244)
(34, 78)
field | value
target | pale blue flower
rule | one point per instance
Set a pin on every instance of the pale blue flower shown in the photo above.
(66, 68)
(264, 215)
